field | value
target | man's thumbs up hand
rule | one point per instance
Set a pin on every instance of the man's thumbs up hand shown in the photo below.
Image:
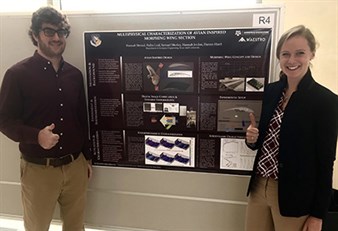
(46, 138)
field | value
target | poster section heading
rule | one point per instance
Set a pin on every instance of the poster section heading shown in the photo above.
(175, 99)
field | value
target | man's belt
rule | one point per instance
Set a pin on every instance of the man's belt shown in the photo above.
(55, 162)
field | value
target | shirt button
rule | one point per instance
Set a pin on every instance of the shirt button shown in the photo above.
(60, 89)
(45, 68)
(61, 134)
(61, 104)
(60, 147)
(61, 119)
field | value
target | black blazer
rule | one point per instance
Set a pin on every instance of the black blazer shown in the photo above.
(307, 150)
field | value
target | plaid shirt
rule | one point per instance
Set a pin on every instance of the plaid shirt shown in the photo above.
(268, 161)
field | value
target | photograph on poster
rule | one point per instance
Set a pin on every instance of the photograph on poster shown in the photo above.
(255, 84)
(231, 84)
(168, 76)
(233, 115)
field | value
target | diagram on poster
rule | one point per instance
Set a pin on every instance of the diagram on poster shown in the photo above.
(170, 151)
(235, 155)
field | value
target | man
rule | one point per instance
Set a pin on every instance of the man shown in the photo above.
(43, 107)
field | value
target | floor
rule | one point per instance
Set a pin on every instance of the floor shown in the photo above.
(16, 224)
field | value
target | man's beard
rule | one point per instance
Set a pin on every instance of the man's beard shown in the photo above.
(49, 51)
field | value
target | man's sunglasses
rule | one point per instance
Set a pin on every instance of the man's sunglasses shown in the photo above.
(49, 32)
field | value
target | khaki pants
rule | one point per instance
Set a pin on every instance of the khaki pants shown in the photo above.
(42, 187)
(263, 209)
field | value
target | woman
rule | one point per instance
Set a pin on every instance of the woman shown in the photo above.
(290, 186)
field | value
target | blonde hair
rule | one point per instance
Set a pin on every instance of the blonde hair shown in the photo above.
(300, 30)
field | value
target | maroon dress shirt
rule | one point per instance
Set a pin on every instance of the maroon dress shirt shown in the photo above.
(33, 95)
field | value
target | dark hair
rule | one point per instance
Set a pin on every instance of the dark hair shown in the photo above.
(295, 31)
(47, 15)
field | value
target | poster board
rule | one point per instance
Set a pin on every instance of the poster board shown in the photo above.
(177, 99)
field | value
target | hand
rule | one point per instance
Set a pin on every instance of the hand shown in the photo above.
(312, 224)
(46, 138)
(252, 132)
